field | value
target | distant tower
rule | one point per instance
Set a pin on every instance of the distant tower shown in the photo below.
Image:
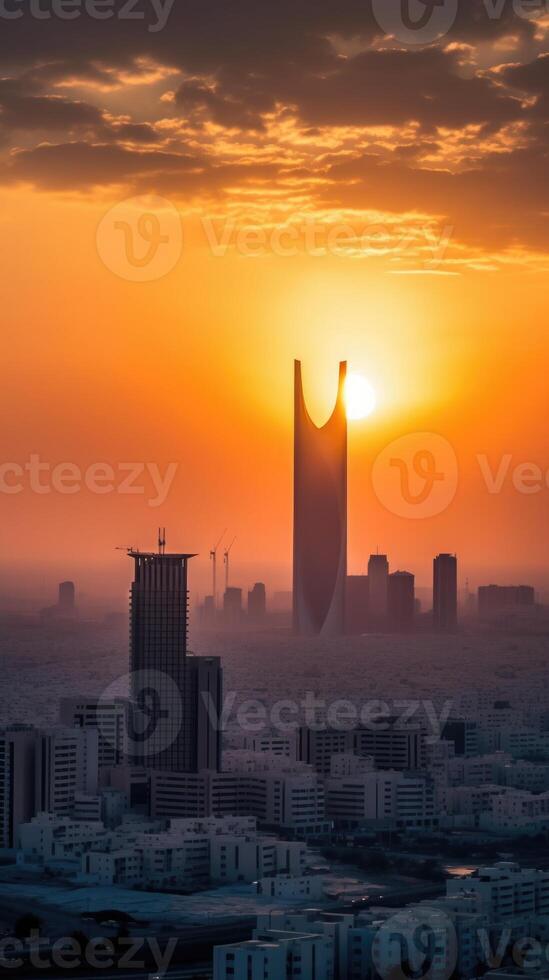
(66, 596)
(320, 515)
(378, 583)
(158, 655)
(401, 602)
(232, 606)
(445, 592)
(257, 603)
(177, 697)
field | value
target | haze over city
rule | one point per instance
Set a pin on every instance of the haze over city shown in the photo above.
(274, 574)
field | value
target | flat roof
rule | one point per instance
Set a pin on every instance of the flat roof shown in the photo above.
(154, 554)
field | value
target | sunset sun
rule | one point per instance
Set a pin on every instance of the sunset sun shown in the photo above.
(360, 397)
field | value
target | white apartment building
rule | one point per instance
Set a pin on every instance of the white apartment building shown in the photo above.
(108, 718)
(272, 956)
(289, 796)
(49, 835)
(531, 776)
(395, 798)
(469, 801)
(505, 891)
(246, 858)
(66, 764)
(334, 927)
(477, 770)
(520, 742)
(516, 812)
(86, 808)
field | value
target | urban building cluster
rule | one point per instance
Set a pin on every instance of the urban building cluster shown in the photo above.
(458, 934)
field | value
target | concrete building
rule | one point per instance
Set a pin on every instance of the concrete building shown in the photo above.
(391, 745)
(401, 602)
(109, 718)
(257, 604)
(493, 600)
(391, 799)
(162, 736)
(17, 780)
(504, 891)
(292, 800)
(316, 748)
(48, 836)
(66, 765)
(273, 955)
(334, 927)
(232, 606)
(445, 593)
(378, 590)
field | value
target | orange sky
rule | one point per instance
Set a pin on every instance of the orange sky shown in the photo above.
(426, 166)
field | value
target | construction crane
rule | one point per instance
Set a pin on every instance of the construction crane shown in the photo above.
(226, 557)
(213, 559)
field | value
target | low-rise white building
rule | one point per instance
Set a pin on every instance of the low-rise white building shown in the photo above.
(49, 836)
(274, 955)
(398, 799)
(505, 891)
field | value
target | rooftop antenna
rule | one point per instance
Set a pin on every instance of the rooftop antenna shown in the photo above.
(213, 559)
(161, 540)
(226, 557)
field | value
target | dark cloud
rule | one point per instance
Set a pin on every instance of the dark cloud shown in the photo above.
(532, 80)
(236, 62)
(501, 202)
(21, 111)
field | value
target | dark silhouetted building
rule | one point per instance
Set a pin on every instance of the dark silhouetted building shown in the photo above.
(65, 608)
(158, 657)
(445, 592)
(378, 584)
(18, 746)
(257, 603)
(356, 604)
(320, 516)
(232, 606)
(496, 599)
(202, 712)
(66, 596)
(177, 697)
(464, 734)
(401, 601)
